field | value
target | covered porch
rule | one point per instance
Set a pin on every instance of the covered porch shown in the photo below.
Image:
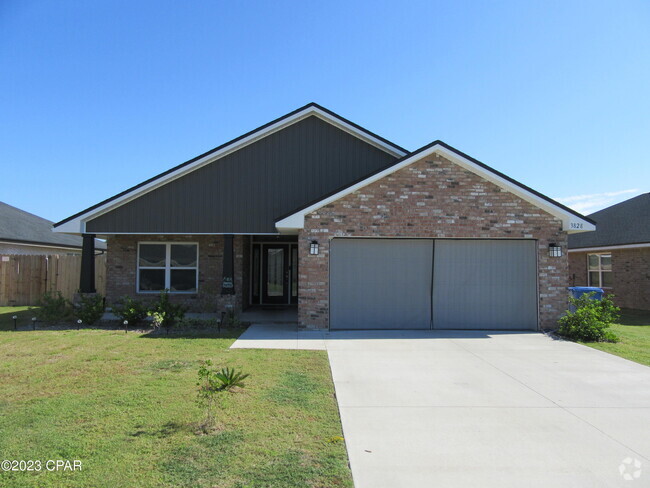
(256, 276)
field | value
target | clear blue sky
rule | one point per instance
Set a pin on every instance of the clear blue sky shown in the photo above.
(97, 96)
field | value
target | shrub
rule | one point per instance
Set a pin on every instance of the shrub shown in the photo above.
(130, 309)
(90, 308)
(230, 319)
(54, 308)
(165, 313)
(211, 383)
(590, 320)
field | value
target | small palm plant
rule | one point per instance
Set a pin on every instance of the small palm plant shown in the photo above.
(211, 383)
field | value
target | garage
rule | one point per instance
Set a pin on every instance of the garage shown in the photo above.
(382, 283)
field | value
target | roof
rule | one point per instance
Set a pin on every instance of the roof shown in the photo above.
(76, 223)
(625, 223)
(572, 220)
(119, 215)
(23, 227)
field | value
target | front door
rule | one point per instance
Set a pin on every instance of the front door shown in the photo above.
(275, 274)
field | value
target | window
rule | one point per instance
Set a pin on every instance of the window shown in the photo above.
(599, 268)
(172, 266)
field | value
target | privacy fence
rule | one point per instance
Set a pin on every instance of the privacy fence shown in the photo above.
(24, 279)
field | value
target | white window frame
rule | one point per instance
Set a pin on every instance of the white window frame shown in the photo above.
(168, 268)
(600, 269)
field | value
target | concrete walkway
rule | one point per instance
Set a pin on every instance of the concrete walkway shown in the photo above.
(463, 408)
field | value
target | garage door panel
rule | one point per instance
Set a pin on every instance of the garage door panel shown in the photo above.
(485, 285)
(380, 283)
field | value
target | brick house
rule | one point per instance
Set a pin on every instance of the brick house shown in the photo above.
(616, 256)
(314, 212)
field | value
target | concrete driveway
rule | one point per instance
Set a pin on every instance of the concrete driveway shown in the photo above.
(456, 409)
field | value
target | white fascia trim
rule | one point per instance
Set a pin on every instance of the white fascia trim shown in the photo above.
(611, 248)
(78, 224)
(53, 246)
(570, 222)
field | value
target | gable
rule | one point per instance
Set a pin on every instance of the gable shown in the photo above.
(571, 220)
(245, 190)
(433, 197)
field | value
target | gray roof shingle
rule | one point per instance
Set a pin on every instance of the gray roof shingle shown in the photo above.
(19, 226)
(627, 222)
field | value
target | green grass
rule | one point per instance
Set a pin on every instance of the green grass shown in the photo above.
(24, 315)
(634, 332)
(124, 405)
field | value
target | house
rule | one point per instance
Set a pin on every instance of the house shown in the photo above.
(25, 233)
(616, 256)
(316, 212)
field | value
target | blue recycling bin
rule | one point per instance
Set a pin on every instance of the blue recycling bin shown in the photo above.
(578, 291)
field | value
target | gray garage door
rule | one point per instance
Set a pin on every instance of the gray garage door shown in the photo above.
(485, 285)
(380, 283)
(405, 284)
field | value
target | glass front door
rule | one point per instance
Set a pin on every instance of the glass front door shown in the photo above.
(275, 274)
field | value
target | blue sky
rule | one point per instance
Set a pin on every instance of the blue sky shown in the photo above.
(98, 96)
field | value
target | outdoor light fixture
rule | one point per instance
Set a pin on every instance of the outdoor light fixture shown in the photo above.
(15, 317)
(79, 323)
(126, 326)
(34, 323)
(554, 251)
(313, 248)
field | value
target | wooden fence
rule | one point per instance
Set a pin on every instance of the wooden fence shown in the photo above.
(23, 279)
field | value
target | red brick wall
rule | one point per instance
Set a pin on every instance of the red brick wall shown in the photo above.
(630, 276)
(121, 269)
(431, 198)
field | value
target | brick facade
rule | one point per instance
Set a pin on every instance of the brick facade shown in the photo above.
(432, 198)
(121, 269)
(630, 275)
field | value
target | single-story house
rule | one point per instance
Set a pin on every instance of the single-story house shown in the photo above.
(314, 211)
(25, 233)
(616, 257)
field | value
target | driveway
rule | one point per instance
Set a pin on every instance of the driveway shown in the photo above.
(471, 408)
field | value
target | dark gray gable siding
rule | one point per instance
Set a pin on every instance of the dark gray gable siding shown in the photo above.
(627, 222)
(247, 190)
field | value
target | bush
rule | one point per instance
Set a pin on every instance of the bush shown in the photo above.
(54, 308)
(165, 313)
(131, 310)
(591, 319)
(90, 308)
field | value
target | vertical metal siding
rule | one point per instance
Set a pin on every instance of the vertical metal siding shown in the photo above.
(247, 190)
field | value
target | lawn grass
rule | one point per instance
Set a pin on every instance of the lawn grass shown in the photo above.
(24, 315)
(633, 330)
(123, 404)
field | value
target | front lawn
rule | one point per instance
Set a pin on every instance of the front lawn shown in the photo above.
(123, 405)
(634, 331)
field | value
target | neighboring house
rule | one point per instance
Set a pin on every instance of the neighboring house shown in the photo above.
(617, 256)
(311, 209)
(25, 233)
